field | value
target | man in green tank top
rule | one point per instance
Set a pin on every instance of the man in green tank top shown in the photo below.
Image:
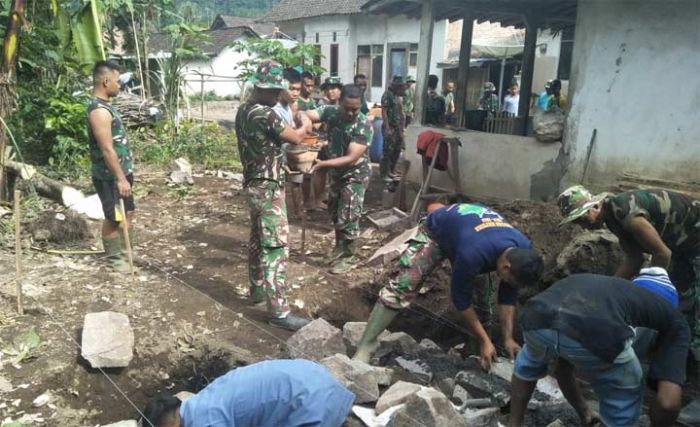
(112, 161)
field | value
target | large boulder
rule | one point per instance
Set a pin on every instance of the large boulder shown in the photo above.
(108, 340)
(427, 408)
(181, 171)
(549, 126)
(359, 377)
(316, 340)
(596, 252)
(396, 344)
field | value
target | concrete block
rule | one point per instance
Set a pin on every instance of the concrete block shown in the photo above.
(107, 340)
(315, 341)
(429, 408)
(396, 395)
(360, 378)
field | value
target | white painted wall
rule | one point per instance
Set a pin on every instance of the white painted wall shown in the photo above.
(223, 65)
(635, 79)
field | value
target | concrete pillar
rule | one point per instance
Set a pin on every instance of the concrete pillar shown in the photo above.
(425, 47)
(528, 71)
(465, 51)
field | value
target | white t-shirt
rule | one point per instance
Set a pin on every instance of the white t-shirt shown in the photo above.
(510, 104)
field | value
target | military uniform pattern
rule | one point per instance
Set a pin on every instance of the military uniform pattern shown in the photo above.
(268, 252)
(408, 103)
(413, 267)
(309, 104)
(676, 217)
(393, 142)
(120, 143)
(347, 190)
(258, 130)
(489, 103)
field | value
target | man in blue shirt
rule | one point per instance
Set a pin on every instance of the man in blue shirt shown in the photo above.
(267, 394)
(476, 240)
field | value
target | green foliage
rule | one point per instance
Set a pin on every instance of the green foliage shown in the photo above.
(206, 145)
(204, 11)
(66, 120)
(303, 54)
(210, 96)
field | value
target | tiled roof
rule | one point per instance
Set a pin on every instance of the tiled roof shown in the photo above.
(288, 10)
(219, 39)
(226, 21)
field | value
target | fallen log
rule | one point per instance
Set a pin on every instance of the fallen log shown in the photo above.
(45, 186)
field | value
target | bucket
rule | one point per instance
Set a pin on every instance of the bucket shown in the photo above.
(377, 147)
(300, 158)
(310, 139)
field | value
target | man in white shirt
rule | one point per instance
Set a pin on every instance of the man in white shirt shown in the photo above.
(511, 101)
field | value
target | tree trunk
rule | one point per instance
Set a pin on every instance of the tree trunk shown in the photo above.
(45, 186)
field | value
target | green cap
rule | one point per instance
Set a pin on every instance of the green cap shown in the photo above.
(269, 76)
(398, 80)
(331, 81)
(410, 79)
(575, 202)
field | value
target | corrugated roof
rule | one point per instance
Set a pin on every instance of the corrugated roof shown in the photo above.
(227, 21)
(219, 39)
(288, 10)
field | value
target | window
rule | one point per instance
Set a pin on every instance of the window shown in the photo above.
(316, 38)
(370, 62)
(413, 55)
(335, 37)
(566, 54)
(334, 60)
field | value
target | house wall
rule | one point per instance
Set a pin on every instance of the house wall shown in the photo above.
(495, 166)
(634, 79)
(223, 67)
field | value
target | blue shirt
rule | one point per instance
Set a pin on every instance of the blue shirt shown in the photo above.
(473, 237)
(274, 393)
(543, 100)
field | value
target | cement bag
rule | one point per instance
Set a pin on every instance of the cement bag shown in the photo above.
(548, 126)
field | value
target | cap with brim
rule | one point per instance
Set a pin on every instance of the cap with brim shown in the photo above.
(410, 79)
(583, 209)
(332, 82)
(270, 75)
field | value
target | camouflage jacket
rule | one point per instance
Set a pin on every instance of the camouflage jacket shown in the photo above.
(258, 130)
(394, 111)
(340, 135)
(120, 142)
(676, 217)
(489, 103)
(310, 104)
(408, 101)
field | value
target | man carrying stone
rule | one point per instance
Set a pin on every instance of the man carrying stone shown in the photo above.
(349, 136)
(272, 393)
(393, 127)
(261, 134)
(476, 240)
(661, 223)
(586, 323)
(112, 161)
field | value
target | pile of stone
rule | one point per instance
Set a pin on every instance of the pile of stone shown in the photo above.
(410, 383)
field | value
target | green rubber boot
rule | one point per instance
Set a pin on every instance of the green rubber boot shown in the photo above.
(347, 260)
(132, 240)
(115, 256)
(338, 249)
(379, 319)
(257, 295)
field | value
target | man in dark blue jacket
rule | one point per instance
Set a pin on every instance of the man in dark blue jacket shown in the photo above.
(476, 240)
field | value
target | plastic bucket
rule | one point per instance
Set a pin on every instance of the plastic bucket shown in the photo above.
(377, 147)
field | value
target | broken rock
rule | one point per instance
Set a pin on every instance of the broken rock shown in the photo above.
(315, 341)
(429, 344)
(483, 385)
(487, 417)
(395, 343)
(358, 377)
(129, 423)
(384, 375)
(352, 333)
(108, 340)
(181, 171)
(430, 408)
(460, 395)
(416, 370)
(397, 394)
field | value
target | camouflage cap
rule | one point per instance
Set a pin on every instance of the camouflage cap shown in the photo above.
(331, 81)
(488, 86)
(410, 79)
(575, 202)
(398, 80)
(270, 75)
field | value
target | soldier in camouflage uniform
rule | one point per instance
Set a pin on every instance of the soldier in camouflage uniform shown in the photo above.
(393, 127)
(661, 223)
(349, 137)
(489, 100)
(112, 161)
(261, 134)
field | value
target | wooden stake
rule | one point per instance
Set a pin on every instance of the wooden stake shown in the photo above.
(303, 236)
(127, 241)
(18, 252)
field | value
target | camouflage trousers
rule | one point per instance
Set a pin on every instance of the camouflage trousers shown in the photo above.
(345, 203)
(268, 252)
(685, 274)
(393, 144)
(414, 266)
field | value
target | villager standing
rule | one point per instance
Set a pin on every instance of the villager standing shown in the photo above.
(586, 323)
(349, 137)
(489, 100)
(512, 100)
(305, 101)
(360, 81)
(112, 161)
(449, 102)
(393, 127)
(435, 108)
(662, 223)
(261, 134)
(409, 100)
(476, 240)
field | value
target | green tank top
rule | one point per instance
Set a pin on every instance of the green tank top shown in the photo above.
(120, 143)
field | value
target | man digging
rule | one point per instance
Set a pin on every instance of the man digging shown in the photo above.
(661, 223)
(112, 161)
(349, 136)
(261, 134)
(476, 240)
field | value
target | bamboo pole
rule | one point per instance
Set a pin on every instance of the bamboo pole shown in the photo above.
(127, 241)
(138, 55)
(18, 252)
